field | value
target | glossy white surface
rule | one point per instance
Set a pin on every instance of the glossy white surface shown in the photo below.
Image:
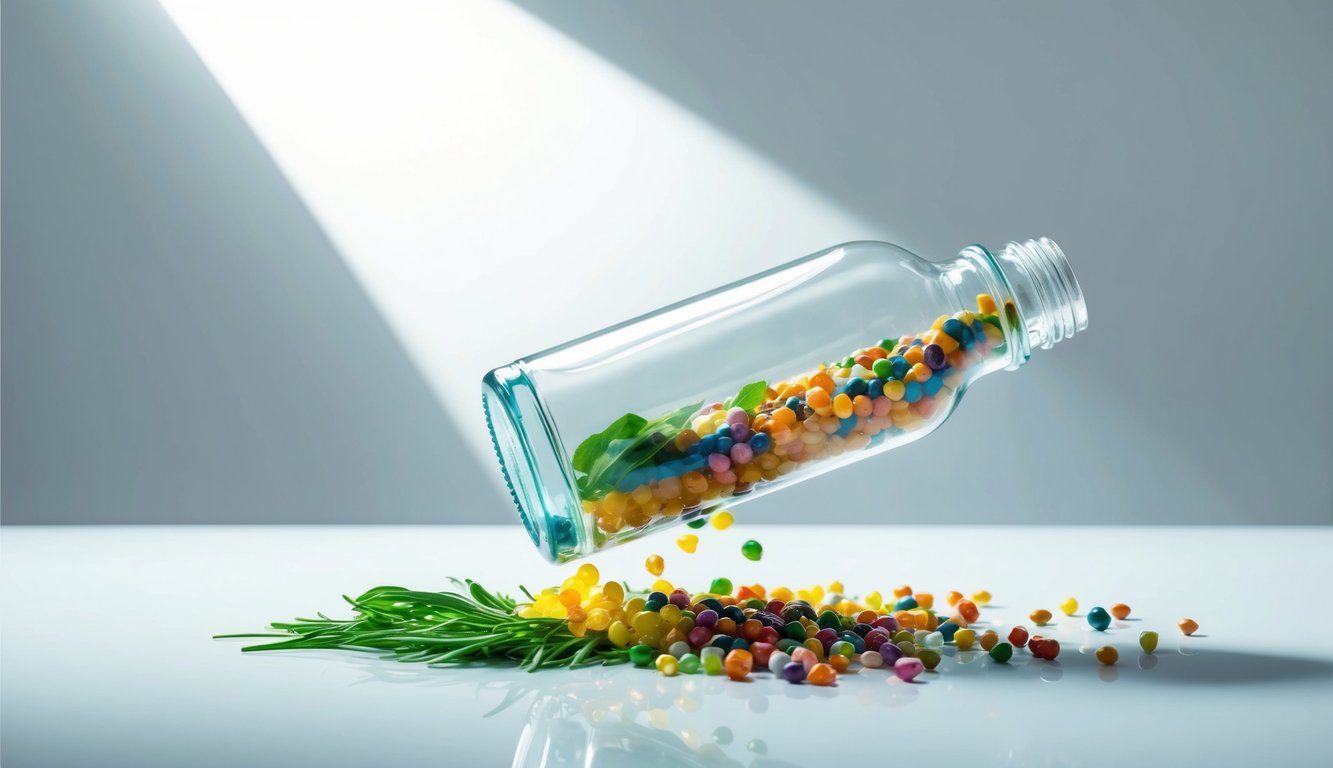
(107, 656)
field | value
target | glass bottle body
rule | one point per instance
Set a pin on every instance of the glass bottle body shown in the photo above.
(757, 385)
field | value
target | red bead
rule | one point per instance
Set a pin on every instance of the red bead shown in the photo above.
(1018, 637)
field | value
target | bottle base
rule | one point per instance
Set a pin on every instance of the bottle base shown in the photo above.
(525, 446)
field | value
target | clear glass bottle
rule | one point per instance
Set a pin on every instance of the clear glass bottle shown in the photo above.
(763, 383)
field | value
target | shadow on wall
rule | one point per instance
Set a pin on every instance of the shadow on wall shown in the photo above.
(182, 343)
(1178, 152)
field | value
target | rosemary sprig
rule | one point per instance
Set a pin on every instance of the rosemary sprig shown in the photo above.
(443, 629)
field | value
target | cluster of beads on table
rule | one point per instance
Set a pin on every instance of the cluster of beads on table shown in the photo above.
(892, 387)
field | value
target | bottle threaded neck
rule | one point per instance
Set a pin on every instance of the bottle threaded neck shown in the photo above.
(1045, 291)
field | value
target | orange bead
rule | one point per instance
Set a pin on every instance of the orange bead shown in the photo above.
(865, 361)
(819, 400)
(1120, 611)
(695, 483)
(925, 599)
(863, 406)
(1040, 616)
(784, 416)
(941, 339)
(839, 662)
(1188, 626)
(822, 674)
(726, 625)
(877, 353)
(988, 639)
(822, 381)
(750, 629)
(905, 619)
(903, 591)
(986, 304)
(954, 597)
(921, 372)
(738, 664)
(968, 610)
(866, 617)
(914, 355)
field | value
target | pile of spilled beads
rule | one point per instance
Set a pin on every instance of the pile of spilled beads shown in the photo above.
(810, 635)
(639, 471)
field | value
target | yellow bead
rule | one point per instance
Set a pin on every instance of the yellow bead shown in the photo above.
(598, 619)
(986, 304)
(722, 520)
(667, 665)
(578, 629)
(939, 322)
(645, 622)
(835, 586)
(921, 372)
(1069, 606)
(1040, 616)
(634, 605)
(663, 586)
(1108, 655)
(615, 503)
(783, 594)
(614, 592)
(670, 614)
(618, 634)
(688, 543)
(874, 600)
(842, 406)
(981, 598)
(588, 574)
(894, 390)
(655, 564)
(964, 638)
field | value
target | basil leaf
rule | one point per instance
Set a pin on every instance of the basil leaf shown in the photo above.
(589, 450)
(750, 397)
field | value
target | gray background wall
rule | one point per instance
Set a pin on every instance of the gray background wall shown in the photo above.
(184, 342)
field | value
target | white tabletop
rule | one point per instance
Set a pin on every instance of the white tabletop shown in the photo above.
(107, 656)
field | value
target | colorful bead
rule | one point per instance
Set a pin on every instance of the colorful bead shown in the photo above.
(689, 542)
(1069, 606)
(1148, 641)
(1188, 626)
(1108, 655)
(752, 550)
(1120, 611)
(1099, 619)
(907, 669)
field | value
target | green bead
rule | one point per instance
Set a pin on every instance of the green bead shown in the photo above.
(1148, 641)
(698, 523)
(887, 344)
(688, 615)
(713, 665)
(848, 362)
(929, 657)
(902, 635)
(755, 603)
(842, 648)
(689, 664)
(752, 550)
(883, 368)
(720, 586)
(641, 655)
(786, 644)
(829, 620)
(1001, 652)
(795, 630)
(907, 647)
(722, 735)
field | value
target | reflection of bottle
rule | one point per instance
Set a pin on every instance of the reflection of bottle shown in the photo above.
(762, 383)
(580, 729)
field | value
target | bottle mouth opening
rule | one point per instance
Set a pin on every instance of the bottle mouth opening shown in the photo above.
(1049, 298)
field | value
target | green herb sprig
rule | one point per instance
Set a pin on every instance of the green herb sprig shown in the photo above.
(443, 629)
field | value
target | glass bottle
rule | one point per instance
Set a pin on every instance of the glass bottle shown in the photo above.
(763, 383)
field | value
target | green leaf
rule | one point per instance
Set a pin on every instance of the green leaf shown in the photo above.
(589, 450)
(750, 397)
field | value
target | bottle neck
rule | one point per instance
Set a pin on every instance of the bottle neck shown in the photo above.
(1040, 297)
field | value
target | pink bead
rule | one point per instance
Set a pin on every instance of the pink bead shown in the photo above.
(719, 462)
(742, 453)
(907, 668)
(806, 657)
(737, 416)
(882, 405)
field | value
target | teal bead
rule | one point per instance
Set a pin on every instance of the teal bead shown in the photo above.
(1002, 652)
(1099, 619)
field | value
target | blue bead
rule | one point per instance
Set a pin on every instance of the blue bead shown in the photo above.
(906, 604)
(723, 431)
(978, 328)
(660, 597)
(954, 327)
(856, 387)
(912, 391)
(693, 464)
(761, 442)
(900, 367)
(848, 424)
(693, 449)
(875, 389)
(707, 444)
(740, 644)
(724, 445)
(794, 403)
(918, 343)
(933, 385)
(722, 641)
(713, 603)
